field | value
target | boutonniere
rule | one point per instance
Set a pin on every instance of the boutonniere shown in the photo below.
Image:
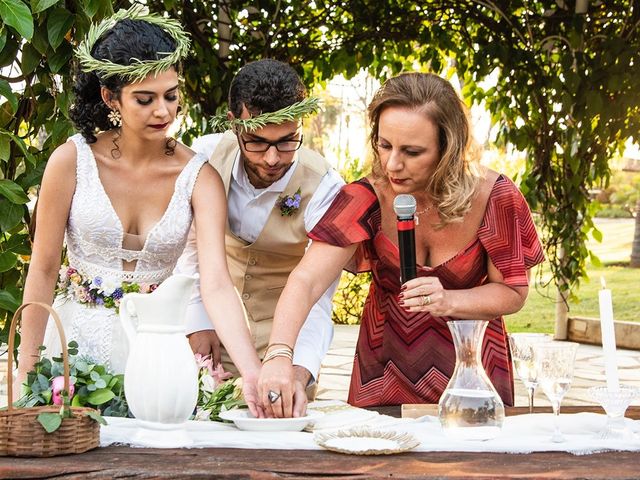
(289, 204)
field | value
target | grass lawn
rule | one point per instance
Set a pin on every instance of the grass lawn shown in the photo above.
(538, 314)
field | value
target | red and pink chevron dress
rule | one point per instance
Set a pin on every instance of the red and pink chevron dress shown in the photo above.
(408, 358)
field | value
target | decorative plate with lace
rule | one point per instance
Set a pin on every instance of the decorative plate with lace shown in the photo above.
(365, 441)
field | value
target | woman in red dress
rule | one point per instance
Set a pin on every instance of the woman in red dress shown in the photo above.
(475, 245)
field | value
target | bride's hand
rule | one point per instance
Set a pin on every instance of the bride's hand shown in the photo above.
(276, 387)
(251, 397)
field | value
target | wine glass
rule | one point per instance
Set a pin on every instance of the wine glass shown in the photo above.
(521, 345)
(554, 363)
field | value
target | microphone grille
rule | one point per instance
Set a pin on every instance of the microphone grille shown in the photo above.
(404, 206)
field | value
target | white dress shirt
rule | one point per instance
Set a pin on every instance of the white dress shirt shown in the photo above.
(248, 211)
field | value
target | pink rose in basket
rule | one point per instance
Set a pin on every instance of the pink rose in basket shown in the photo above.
(57, 386)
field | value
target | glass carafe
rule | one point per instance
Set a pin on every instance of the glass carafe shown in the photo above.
(470, 408)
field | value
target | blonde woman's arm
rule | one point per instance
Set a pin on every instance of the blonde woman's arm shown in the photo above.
(319, 267)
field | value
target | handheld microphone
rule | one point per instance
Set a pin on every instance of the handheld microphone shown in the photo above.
(405, 208)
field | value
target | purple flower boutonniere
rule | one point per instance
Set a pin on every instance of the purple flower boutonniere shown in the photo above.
(289, 204)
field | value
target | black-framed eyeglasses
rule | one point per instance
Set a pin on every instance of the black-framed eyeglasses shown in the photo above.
(262, 145)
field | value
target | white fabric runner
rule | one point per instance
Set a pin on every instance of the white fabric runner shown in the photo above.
(520, 434)
(529, 433)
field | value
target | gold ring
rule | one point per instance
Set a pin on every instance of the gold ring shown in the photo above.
(426, 300)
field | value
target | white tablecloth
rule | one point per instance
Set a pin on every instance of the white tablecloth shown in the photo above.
(520, 434)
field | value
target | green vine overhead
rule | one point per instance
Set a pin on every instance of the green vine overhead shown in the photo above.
(138, 69)
(565, 90)
(296, 111)
(561, 87)
(566, 95)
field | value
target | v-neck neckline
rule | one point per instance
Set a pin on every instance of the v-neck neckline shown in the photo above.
(428, 268)
(114, 213)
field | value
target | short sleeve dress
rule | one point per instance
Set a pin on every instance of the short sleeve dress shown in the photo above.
(409, 357)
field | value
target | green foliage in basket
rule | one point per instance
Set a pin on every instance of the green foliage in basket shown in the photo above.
(92, 386)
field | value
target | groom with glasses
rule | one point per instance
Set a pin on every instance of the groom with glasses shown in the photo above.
(263, 145)
(277, 191)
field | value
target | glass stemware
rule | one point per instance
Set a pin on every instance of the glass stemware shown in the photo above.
(554, 363)
(521, 345)
(615, 404)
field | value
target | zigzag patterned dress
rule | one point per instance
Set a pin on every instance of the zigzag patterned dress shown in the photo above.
(409, 357)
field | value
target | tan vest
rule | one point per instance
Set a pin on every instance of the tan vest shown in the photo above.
(259, 270)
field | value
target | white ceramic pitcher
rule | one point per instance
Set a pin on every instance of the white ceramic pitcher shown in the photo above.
(161, 375)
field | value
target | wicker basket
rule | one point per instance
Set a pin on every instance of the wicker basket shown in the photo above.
(20, 433)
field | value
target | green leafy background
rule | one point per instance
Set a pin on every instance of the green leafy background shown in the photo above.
(565, 87)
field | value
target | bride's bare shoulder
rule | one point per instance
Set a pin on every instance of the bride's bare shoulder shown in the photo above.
(64, 158)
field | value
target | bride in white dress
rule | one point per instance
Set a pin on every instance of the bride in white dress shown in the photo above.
(122, 194)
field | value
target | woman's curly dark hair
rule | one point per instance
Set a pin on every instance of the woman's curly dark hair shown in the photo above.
(127, 40)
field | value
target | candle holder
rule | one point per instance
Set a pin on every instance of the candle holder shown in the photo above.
(615, 403)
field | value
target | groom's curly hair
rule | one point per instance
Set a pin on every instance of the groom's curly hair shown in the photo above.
(265, 86)
(127, 42)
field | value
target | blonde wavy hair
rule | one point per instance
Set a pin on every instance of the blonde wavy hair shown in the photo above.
(456, 177)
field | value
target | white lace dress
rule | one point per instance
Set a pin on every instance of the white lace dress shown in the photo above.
(95, 279)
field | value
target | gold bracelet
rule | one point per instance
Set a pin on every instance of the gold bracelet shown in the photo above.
(278, 343)
(267, 359)
(281, 352)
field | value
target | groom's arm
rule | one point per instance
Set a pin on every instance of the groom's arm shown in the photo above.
(198, 327)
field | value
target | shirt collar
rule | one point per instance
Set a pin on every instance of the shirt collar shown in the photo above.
(241, 178)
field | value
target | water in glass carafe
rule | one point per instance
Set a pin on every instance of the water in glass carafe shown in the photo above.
(470, 408)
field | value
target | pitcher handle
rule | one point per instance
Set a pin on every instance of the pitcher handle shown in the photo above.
(127, 314)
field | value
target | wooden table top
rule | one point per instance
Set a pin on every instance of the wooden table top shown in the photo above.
(119, 462)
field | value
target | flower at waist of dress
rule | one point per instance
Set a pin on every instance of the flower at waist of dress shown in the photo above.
(97, 291)
(289, 204)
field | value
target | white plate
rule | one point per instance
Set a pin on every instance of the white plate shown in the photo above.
(245, 421)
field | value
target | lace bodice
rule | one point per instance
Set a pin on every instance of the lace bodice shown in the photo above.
(94, 232)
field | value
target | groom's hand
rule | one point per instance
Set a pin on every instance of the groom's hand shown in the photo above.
(301, 378)
(206, 342)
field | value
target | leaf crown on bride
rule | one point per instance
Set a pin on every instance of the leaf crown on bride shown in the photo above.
(138, 69)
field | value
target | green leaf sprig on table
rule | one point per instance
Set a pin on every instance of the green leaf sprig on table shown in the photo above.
(217, 391)
(227, 396)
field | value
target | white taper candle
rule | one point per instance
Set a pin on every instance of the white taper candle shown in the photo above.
(608, 337)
